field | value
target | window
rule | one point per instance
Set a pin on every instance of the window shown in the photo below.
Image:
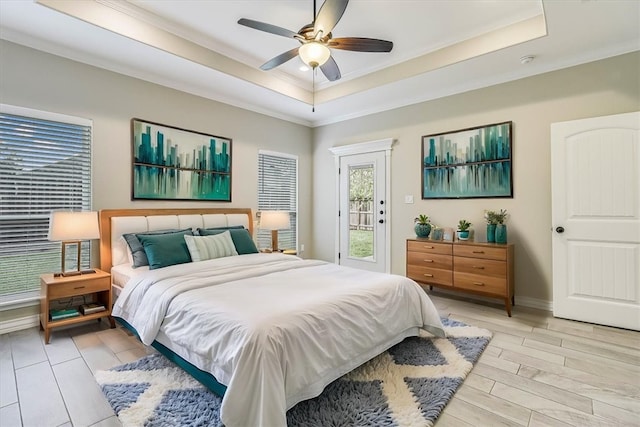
(278, 191)
(45, 165)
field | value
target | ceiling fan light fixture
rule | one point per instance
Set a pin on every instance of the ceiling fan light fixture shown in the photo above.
(314, 54)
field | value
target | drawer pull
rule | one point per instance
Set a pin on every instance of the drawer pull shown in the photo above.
(478, 283)
(479, 267)
(428, 247)
(477, 252)
(427, 260)
(79, 287)
(428, 275)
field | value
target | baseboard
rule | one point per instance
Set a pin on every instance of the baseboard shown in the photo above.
(540, 304)
(520, 301)
(19, 324)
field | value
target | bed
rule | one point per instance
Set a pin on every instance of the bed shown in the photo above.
(265, 330)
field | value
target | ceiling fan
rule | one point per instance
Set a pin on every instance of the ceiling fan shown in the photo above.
(316, 39)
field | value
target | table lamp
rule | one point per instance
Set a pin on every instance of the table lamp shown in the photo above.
(274, 221)
(71, 228)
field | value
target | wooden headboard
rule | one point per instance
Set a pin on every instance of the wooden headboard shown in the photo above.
(106, 216)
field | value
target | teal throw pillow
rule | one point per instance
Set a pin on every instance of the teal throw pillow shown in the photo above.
(241, 239)
(135, 246)
(163, 250)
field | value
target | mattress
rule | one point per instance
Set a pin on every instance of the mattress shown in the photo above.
(120, 274)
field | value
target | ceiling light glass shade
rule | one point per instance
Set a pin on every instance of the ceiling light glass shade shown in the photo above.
(314, 54)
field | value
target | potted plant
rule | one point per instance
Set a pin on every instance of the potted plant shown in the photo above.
(495, 218)
(463, 229)
(501, 227)
(422, 226)
(490, 217)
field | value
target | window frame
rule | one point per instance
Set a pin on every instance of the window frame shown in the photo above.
(31, 297)
(259, 234)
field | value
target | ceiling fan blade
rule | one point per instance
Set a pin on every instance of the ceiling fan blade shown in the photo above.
(280, 59)
(330, 69)
(329, 15)
(263, 26)
(361, 44)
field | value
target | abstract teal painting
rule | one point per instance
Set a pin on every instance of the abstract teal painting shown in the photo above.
(468, 163)
(170, 163)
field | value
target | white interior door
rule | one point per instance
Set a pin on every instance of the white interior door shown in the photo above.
(363, 211)
(595, 173)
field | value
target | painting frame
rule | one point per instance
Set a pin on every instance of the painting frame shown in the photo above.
(172, 163)
(468, 163)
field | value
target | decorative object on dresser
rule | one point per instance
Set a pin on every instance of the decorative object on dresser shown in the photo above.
(171, 163)
(480, 268)
(437, 232)
(494, 219)
(71, 228)
(57, 288)
(422, 226)
(463, 229)
(468, 163)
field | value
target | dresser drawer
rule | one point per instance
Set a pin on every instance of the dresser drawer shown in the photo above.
(482, 267)
(476, 282)
(428, 247)
(430, 275)
(480, 252)
(430, 260)
(62, 290)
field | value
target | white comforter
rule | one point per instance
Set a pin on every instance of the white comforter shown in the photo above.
(275, 329)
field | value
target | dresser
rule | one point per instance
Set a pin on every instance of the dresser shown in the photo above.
(479, 268)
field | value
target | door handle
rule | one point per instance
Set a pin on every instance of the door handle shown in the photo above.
(381, 221)
(560, 230)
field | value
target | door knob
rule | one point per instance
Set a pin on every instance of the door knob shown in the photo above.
(560, 230)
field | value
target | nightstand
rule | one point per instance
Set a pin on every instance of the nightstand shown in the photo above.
(66, 287)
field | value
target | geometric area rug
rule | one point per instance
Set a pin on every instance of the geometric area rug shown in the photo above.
(407, 385)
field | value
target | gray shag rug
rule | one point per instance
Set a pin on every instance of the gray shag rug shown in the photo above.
(407, 385)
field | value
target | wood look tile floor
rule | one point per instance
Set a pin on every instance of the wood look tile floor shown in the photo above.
(537, 371)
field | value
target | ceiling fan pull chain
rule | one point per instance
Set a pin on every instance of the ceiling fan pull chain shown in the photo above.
(313, 87)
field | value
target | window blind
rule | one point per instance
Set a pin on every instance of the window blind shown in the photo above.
(45, 165)
(278, 191)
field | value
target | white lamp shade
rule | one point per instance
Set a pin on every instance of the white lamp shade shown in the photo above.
(65, 226)
(275, 220)
(314, 54)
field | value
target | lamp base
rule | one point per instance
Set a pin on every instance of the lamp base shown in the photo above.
(73, 273)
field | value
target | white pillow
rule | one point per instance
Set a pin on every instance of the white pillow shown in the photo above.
(209, 247)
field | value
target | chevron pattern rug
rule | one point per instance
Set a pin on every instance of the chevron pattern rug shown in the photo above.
(408, 385)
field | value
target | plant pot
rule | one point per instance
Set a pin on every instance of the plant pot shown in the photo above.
(422, 230)
(463, 235)
(501, 233)
(491, 233)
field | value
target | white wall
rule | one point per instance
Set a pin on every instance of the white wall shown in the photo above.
(599, 88)
(30, 78)
(38, 80)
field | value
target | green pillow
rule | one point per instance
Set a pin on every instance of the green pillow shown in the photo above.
(137, 251)
(163, 250)
(241, 239)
